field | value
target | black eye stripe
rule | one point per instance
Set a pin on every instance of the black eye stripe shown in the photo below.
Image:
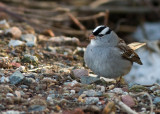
(109, 31)
(100, 35)
(98, 30)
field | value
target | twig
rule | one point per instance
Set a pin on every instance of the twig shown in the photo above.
(40, 68)
(4, 9)
(150, 99)
(106, 17)
(71, 31)
(101, 14)
(98, 3)
(124, 106)
(76, 21)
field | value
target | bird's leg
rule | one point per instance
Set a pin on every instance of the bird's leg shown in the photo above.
(120, 81)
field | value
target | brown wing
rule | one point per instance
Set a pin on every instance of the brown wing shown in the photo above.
(128, 53)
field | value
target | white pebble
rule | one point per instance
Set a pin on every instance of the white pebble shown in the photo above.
(73, 92)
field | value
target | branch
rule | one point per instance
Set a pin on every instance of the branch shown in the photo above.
(124, 107)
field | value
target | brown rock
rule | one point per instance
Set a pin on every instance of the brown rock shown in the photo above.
(14, 32)
(48, 33)
(128, 100)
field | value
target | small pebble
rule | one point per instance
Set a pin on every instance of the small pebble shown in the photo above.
(80, 72)
(156, 100)
(128, 100)
(21, 68)
(73, 92)
(117, 90)
(15, 43)
(14, 32)
(9, 95)
(4, 24)
(4, 79)
(16, 77)
(143, 109)
(30, 39)
(91, 100)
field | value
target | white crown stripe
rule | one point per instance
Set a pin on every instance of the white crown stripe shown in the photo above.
(104, 30)
(96, 28)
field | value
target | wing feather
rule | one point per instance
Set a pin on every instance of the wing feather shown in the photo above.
(128, 53)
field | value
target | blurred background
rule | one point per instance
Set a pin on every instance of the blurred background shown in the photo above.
(132, 20)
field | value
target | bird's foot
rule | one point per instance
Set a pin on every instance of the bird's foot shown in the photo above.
(120, 81)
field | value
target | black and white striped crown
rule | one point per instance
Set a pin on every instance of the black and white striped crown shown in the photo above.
(101, 30)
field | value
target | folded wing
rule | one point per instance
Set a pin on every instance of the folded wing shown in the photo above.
(128, 51)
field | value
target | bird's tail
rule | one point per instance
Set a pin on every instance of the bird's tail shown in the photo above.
(136, 45)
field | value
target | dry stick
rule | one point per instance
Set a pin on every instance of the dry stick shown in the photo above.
(119, 9)
(106, 18)
(98, 3)
(78, 23)
(71, 31)
(96, 22)
(124, 106)
(3, 9)
(150, 99)
(101, 14)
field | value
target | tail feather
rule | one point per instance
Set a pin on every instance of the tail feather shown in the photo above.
(136, 45)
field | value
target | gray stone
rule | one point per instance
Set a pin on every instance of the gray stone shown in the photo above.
(36, 108)
(15, 43)
(62, 40)
(30, 59)
(16, 77)
(80, 91)
(156, 100)
(91, 100)
(28, 81)
(30, 39)
(2, 107)
(88, 79)
(21, 68)
(117, 90)
(12, 112)
(24, 86)
(92, 93)
(52, 96)
(4, 79)
(9, 95)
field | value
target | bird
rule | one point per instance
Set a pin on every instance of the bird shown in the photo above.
(109, 56)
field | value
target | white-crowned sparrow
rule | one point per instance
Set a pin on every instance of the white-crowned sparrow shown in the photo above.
(108, 56)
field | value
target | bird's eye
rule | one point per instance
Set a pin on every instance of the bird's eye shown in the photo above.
(100, 35)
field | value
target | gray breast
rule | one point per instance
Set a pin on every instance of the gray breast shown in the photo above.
(106, 62)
